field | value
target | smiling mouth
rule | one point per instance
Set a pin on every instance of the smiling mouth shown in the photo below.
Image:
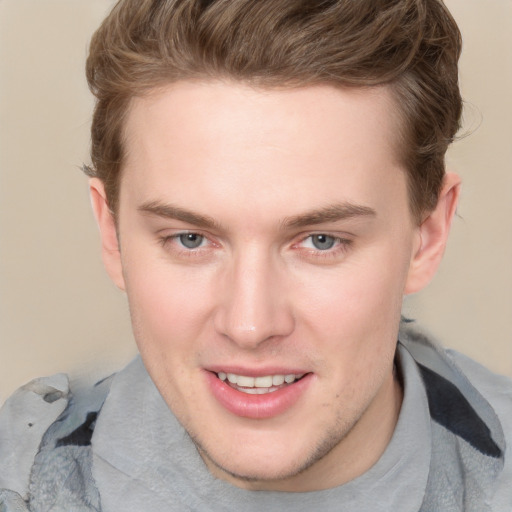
(258, 385)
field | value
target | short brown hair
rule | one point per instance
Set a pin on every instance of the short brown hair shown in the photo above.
(412, 45)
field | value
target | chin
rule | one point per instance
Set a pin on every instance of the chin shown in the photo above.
(254, 476)
(258, 469)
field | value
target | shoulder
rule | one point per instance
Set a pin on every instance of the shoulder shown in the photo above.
(46, 426)
(24, 419)
(497, 390)
(471, 408)
(477, 383)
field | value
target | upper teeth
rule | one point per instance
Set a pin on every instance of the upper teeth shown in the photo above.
(258, 382)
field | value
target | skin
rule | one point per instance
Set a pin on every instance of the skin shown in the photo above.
(258, 292)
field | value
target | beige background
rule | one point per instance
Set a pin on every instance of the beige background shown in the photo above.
(59, 312)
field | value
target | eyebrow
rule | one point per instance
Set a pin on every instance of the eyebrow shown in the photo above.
(169, 211)
(331, 213)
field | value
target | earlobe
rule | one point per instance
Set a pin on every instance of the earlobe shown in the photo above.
(110, 250)
(433, 235)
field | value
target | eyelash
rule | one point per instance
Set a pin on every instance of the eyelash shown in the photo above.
(183, 251)
(341, 245)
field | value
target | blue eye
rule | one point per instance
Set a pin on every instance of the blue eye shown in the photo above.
(323, 242)
(191, 240)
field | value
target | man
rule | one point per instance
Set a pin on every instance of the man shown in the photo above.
(268, 178)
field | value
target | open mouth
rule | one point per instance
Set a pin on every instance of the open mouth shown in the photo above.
(258, 397)
(258, 385)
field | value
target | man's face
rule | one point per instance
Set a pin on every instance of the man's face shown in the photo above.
(266, 239)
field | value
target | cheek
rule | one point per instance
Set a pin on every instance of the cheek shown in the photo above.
(354, 313)
(353, 297)
(169, 312)
(169, 306)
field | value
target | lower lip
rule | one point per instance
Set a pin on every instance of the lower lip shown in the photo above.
(263, 406)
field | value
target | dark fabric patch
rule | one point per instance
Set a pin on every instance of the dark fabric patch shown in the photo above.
(82, 435)
(449, 408)
(101, 381)
(53, 397)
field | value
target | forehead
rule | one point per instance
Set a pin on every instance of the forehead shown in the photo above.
(217, 107)
(227, 138)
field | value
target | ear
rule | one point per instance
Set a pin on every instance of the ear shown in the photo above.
(110, 250)
(433, 235)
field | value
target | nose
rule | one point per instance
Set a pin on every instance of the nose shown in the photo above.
(253, 306)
